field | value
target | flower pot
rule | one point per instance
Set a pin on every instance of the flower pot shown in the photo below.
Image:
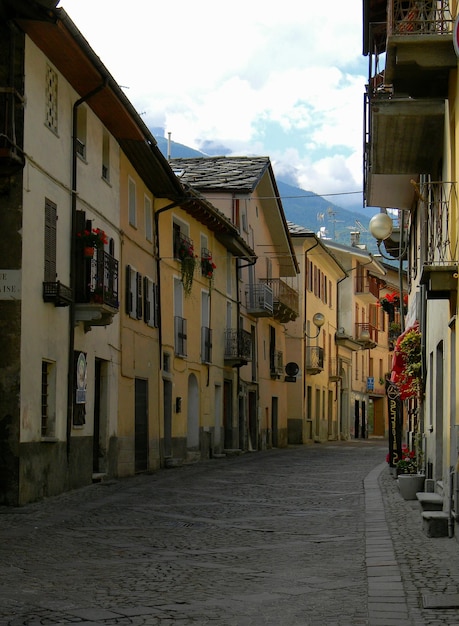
(88, 252)
(410, 484)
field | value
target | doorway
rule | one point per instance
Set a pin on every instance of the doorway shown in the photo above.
(141, 425)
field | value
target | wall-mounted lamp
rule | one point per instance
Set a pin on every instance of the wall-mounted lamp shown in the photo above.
(364, 335)
(318, 320)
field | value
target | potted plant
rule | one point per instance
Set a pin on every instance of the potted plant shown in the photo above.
(90, 239)
(410, 478)
(207, 266)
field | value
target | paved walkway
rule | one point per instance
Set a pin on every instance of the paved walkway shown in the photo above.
(308, 536)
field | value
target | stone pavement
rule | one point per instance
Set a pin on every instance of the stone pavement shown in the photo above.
(312, 535)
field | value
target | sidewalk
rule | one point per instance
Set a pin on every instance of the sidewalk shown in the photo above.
(428, 567)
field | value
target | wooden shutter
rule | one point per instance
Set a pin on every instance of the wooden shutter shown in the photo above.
(50, 241)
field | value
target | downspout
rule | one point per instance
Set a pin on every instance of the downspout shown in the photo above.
(238, 330)
(71, 345)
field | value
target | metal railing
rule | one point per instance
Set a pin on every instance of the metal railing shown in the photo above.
(285, 299)
(103, 279)
(314, 358)
(259, 299)
(238, 345)
(420, 17)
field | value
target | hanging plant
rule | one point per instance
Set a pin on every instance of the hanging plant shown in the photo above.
(407, 366)
(187, 268)
(207, 266)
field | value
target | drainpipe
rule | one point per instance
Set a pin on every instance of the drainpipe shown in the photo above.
(71, 345)
(238, 330)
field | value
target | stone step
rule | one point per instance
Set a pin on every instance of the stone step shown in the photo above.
(430, 501)
(435, 523)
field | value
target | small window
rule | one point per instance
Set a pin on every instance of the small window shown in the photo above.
(132, 204)
(106, 156)
(51, 99)
(148, 219)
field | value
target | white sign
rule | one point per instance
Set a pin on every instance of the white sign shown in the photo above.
(10, 284)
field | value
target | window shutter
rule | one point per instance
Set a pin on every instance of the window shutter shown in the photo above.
(146, 300)
(129, 302)
(50, 241)
(139, 298)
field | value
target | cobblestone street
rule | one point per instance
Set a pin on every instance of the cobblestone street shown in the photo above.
(270, 538)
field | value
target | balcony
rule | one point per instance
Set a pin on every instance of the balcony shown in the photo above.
(57, 293)
(180, 336)
(419, 41)
(366, 287)
(206, 344)
(285, 300)
(366, 335)
(96, 289)
(276, 365)
(404, 104)
(314, 360)
(238, 347)
(334, 370)
(259, 300)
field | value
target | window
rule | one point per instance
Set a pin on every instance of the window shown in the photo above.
(206, 332)
(50, 241)
(134, 293)
(48, 413)
(132, 205)
(150, 302)
(148, 218)
(51, 99)
(81, 132)
(106, 156)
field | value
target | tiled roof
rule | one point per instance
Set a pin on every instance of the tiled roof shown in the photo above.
(295, 229)
(240, 174)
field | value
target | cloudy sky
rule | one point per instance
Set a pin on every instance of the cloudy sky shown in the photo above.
(247, 77)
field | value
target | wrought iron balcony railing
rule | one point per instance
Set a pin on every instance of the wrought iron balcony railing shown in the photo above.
(314, 359)
(420, 17)
(285, 300)
(57, 293)
(238, 346)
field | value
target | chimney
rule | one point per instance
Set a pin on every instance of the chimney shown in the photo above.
(355, 238)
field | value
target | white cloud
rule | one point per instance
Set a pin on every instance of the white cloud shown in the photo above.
(250, 75)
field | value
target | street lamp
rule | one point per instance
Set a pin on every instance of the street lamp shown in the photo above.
(318, 321)
(381, 227)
